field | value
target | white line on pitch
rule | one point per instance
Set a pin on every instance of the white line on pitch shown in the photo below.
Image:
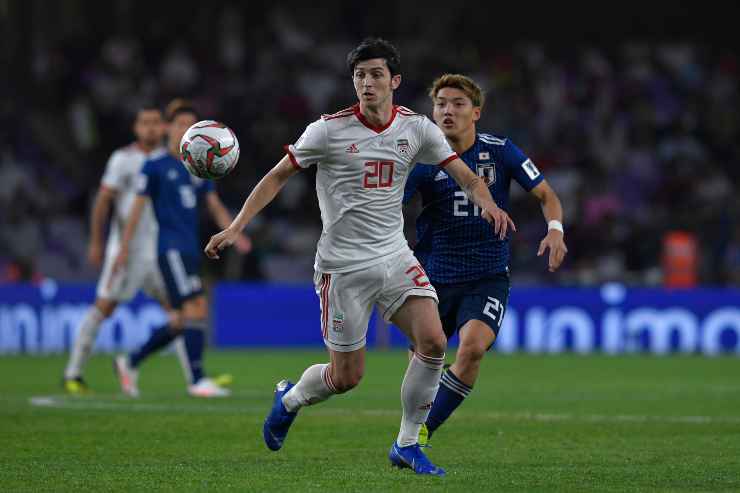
(121, 404)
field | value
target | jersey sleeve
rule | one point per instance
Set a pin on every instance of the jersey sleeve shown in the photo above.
(412, 184)
(434, 148)
(310, 148)
(521, 167)
(114, 172)
(146, 179)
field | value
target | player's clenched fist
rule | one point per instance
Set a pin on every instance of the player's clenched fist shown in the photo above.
(500, 220)
(221, 240)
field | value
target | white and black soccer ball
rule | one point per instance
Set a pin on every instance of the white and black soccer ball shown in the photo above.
(209, 149)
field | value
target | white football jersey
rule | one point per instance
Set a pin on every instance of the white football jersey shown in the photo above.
(120, 175)
(361, 174)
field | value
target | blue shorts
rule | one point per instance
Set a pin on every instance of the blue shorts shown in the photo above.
(181, 274)
(483, 300)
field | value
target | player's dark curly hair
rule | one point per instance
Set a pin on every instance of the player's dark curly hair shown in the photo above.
(371, 48)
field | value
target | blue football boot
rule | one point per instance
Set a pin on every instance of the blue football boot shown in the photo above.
(279, 420)
(413, 458)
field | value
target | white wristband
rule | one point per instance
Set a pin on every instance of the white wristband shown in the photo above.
(555, 224)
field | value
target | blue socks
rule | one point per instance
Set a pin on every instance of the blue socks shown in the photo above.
(159, 339)
(194, 343)
(450, 395)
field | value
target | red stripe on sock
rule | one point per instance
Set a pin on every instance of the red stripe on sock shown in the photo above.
(431, 360)
(326, 373)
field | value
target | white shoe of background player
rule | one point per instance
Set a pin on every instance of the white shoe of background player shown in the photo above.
(128, 377)
(207, 388)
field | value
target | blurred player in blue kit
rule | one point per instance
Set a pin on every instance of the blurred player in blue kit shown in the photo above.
(176, 198)
(466, 262)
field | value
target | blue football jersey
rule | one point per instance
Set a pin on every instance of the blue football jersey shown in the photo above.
(454, 244)
(175, 195)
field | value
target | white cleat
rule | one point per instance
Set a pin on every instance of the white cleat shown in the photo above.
(207, 388)
(128, 377)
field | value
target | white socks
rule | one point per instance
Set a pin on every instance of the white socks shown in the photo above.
(418, 390)
(84, 342)
(314, 386)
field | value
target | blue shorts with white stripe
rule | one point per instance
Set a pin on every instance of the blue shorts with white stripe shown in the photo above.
(181, 273)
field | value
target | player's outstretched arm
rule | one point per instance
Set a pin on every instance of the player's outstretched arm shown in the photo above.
(553, 212)
(133, 221)
(475, 188)
(263, 194)
(98, 218)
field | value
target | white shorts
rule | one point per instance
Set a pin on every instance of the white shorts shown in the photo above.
(347, 298)
(139, 274)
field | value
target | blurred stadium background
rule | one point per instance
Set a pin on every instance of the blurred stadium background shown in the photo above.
(631, 112)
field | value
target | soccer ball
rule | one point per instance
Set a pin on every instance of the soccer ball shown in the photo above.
(209, 149)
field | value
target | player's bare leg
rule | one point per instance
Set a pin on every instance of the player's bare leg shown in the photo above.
(476, 337)
(319, 382)
(419, 320)
(88, 331)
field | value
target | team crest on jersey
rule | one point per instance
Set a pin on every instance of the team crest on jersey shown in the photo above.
(403, 146)
(487, 171)
(337, 323)
(172, 175)
(352, 149)
(484, 156)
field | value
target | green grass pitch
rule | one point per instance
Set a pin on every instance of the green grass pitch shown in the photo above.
(533, 423)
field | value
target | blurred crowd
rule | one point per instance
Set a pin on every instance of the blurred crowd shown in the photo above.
(638, 138)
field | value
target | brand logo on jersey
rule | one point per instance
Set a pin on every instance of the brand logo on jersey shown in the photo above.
(531, 170)
(441, 176)
(352, 149)
(487, 171)
(337, 323)
(172, 175)
(484, 156)
(403, 146)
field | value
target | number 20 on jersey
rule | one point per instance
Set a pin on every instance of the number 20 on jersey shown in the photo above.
(378, 174)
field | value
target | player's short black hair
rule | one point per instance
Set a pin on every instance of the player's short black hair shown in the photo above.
(147, 107)
(371, 48)
(178, 106)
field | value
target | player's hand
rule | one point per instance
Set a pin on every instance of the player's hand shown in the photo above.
(221, 240)
(243, 244)
(121, 260)
(500, 220)
(553, 241)
(95, 254)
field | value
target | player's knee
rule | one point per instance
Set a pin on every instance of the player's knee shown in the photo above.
(197, 308)
(433, 344)
(105, 307)
(471, 352)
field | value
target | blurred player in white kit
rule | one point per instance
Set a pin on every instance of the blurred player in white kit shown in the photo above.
(118, 189)
(363, 156)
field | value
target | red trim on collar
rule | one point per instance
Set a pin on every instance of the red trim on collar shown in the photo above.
(364, 121)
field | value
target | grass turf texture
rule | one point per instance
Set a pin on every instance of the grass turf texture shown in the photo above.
(533, 423)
